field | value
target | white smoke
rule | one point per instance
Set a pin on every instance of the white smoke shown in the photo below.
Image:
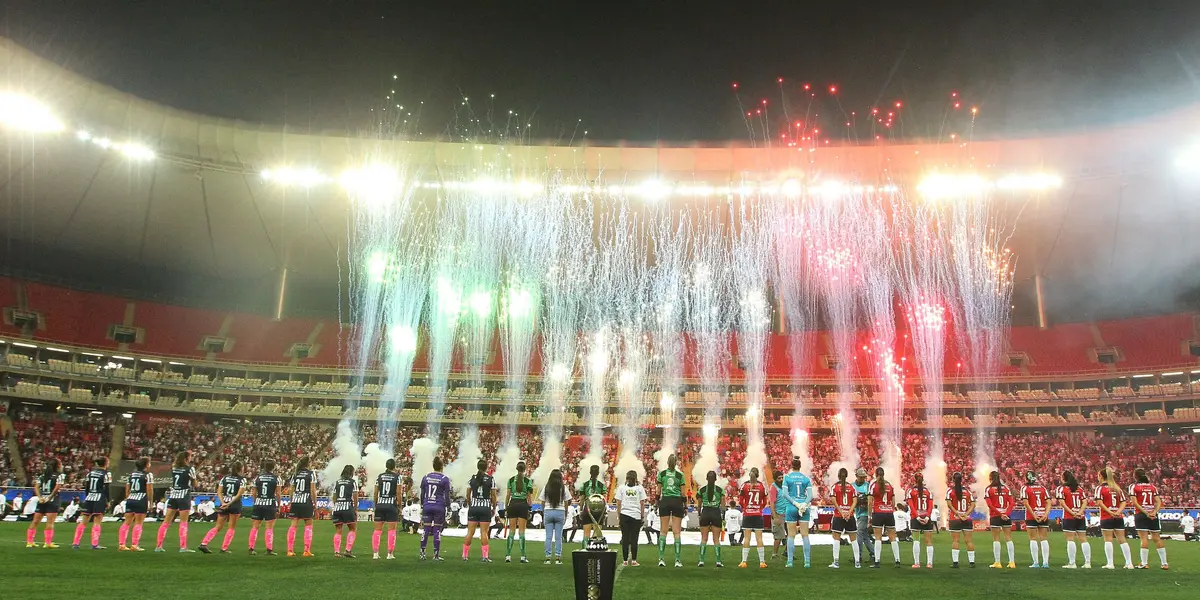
(551, 459)
(509, 456)
(800, 442)
(935, 478)
(663, 454)
(628, 461)
(707, 460)
(891, 461)
(595, 456)
(464, 466)
(374, 461)
(345, 452)
(983, 467)
(831, 474)
(756, 457)
(423, 450)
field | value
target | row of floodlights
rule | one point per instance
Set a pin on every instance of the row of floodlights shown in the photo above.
(22, 113)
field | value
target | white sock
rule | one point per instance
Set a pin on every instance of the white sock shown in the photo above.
(1145, 555)
(1046, 552)
(916, 552)
(996, 551)
(929, 554)
(1070, 552)
(971, 556)
(878, 548)
(1087, 552)
(762, 554)
(1012, 552)
(1127, 554)
(895, 549)
(1162, 555)
(1108, 553)
(745, 553)
(837, 550)
(856, 550)
(954, 554)
(1033, 549)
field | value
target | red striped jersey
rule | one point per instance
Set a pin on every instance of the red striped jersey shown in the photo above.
(1109, 498)
(1038, 498)
(920, 502)
(960, 503)
(1146, 494)
(999, 500)
(885, 497)
(1074, 500)
(843, 495)
(753, 497)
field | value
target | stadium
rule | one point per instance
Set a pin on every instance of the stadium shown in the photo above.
(926, 309)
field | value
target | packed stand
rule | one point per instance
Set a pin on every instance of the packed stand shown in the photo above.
(75, 439)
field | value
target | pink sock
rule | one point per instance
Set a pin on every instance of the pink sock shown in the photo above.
(95, 534)
(183, 527)
(162, 534)
(228, 539)
(29, 533)
(484, 548)
(79, 531)
(137, 534)
(122, 534)
(391, 541)
(375, 541)
(270, 538)
(466, 551)
(48, 535)
(337, 543)
(308, 538)
(291, 539)
(208, 537)
(350, 541)
(253, 537)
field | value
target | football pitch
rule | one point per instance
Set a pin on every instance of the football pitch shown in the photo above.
(62, 572)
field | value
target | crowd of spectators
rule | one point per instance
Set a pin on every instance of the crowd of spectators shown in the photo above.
(76, 439)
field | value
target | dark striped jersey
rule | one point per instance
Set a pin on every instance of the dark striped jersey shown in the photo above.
(266, 490)
(183, 479)
(388, 486)
(95, 485)
(303, 488)
(344, 497)
(230, 488)
(482, 485)
(139, 484)
(46, 485)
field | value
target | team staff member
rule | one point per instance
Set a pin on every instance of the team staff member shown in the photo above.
(778, 513)
(671, 510)
(862, 515)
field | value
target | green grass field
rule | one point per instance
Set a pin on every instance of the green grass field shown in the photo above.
(39, 573)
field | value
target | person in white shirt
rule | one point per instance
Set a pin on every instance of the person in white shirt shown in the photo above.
(1188, 525)
(119, 509)
(462, 515)
(569, 523)
(161, 508)
(30, 507)
(631, 505)
(16, 504)
(733, 524)
(902, 519)
(536, 521)
(455, 506)
(935, 516)
(71, 512)
(3, 504)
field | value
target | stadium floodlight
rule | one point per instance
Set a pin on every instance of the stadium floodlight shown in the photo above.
(403, 338)
(137, 151)
(298, 176)
(791, 188)
(829, 188)
(23, 113)
(653, 190)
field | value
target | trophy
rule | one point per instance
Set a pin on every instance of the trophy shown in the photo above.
(596, 507)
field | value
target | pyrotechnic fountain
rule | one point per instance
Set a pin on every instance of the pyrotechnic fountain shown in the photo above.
(751, 251)
(709, 313)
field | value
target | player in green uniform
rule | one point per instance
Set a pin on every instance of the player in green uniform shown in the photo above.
(712, 498)
(516, 507)
(671, 510)
(593, 486)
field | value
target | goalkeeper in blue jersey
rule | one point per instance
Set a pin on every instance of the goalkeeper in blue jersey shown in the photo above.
(798, 492)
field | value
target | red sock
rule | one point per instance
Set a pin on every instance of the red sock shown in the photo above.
(391, 541)
(79, 531)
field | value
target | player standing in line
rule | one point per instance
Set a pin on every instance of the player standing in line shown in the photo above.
(712, 498)
(387, 489)
(1036, 499)
(845, 500)
(345, 511)
(798, 492)
(139, 491)
(179, 501)
(49, 484)
(230, 488)
(1148, 502)
(881, 503)
(960, 503)
(95, 502)
(1000, 505)
(1074, 520)
(516, 505)
(920, 502)
(265, 493)
(753, 497)
(778, 513)
(1112, 501)
(302, 498)
(435, 497)
(592, 487)
(671, 510)
(482, 507)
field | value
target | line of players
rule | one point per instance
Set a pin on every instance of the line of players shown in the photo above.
(793, 496)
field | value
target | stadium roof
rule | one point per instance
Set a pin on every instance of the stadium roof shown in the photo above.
(89, 199)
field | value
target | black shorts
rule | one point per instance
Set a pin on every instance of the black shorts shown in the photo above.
(1034, 523)
(1000, 521)
(883, 520)
(46, 508)
(343, 517)
(94, 507)
(1113, 524)
(1070, 525)
(917, 525)
(179, 504)
(961, 525)
(386, 513)
(517, 509)
(301, 511)
(710, 517)
(752, 523)
(479, 514)
(1144, 522)
(264, 513)
(232, 509)
(136, 507)
(672, 506)
(843, 525)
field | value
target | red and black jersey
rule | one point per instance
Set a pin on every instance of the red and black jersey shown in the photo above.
(999, 500)
(1145, 494)
(960, 503)
(843, 495)
(1074, 500)
(920, 502)
(753, 496)
(1109, 498)
(885, 497)
(1038, 498)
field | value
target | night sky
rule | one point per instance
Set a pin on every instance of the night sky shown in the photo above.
(642, 71)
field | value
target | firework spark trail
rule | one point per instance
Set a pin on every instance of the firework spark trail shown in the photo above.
(667, 280)
(709, 313)
(794, 287)
(445, 308)
(751, 260)
(631, 312)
